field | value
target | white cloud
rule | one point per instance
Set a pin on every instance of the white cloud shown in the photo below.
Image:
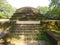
(33, 3)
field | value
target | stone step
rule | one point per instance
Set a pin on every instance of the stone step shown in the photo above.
(26, 31)
(29, 36)
(25, 36)
(28, 28)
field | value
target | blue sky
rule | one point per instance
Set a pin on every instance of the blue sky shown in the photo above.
(32, 3)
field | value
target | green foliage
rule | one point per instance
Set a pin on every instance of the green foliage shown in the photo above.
(42, 36)
(54, 10)
(6, 10)
(43, 10)
(2, 15)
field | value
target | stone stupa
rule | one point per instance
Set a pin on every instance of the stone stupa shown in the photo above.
(27, 13)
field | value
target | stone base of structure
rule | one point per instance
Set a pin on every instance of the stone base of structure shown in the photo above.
(32, 42)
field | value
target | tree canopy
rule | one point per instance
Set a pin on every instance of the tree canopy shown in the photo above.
(6, 10)
(43, 10)
(54, 10)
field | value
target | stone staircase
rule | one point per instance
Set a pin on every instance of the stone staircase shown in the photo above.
(26, 31)
(27, 34)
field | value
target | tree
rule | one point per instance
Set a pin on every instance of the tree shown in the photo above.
(6, 10)
(43, 10)
(54, 10)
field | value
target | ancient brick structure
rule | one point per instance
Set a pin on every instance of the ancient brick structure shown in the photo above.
(25, 28)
